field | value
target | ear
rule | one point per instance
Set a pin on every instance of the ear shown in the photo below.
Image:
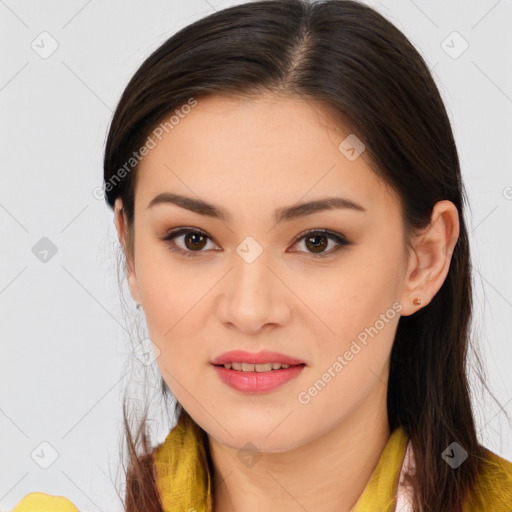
(121, 224)
(429, 262)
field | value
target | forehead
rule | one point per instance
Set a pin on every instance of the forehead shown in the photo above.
(263, 151)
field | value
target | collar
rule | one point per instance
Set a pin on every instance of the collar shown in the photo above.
(184, 481)
(183, 478)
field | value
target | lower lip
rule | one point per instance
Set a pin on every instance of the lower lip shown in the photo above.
(258, 382)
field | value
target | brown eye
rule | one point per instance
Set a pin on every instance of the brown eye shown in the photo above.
(192, 244)
(317, 241)
(194, 241)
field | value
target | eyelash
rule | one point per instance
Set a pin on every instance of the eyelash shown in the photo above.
(337, 237)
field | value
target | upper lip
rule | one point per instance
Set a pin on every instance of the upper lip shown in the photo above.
(266, 356)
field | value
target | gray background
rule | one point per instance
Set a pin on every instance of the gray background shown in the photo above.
(64, 337)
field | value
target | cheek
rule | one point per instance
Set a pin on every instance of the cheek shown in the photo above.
(170, 288)
(353, 354)
(354, 308)
(176, 297)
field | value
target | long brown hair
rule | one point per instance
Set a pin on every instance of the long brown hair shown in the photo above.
(376, 84)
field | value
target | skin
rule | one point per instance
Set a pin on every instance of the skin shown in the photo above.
(251, 157)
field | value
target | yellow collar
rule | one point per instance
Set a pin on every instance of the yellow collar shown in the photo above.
(183, 478)
(184, 481)
(381, 490)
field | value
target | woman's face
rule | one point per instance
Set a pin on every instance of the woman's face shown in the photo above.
(255, 280)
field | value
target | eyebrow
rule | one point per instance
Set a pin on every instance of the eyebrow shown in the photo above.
(280, 215)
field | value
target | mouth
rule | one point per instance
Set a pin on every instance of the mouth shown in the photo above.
(257, 378)
(257, 368)
(259, 372)
(264, 361)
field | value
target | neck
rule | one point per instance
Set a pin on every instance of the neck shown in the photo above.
(327, 474)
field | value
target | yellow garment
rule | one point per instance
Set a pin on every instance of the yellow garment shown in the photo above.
(379, 493)
(40, 502)
(184, 481)
(493, 489)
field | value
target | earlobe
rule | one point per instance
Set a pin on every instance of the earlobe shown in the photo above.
(133, 286)
(429, 263)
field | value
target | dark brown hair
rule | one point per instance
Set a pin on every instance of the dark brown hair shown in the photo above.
(371, 78)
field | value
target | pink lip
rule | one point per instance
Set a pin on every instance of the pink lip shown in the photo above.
(258, 382)
(266, 356)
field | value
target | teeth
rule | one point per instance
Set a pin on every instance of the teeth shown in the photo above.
(248, 367)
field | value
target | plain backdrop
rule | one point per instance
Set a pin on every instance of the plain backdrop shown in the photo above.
(64, 338)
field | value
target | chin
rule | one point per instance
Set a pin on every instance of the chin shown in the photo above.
(254, 439)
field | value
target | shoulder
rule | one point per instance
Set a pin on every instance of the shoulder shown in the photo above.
(44, 503)
(493, 487)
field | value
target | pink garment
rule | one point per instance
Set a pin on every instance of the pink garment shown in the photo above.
(404, 492)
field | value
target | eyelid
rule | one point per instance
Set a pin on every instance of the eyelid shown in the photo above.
(183, 230)
(338, 238)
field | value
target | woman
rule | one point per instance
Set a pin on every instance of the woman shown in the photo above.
(287, 192)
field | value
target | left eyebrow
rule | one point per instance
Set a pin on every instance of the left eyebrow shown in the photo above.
(280, 215)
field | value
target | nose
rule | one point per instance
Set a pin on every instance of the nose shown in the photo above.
(253, 297)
